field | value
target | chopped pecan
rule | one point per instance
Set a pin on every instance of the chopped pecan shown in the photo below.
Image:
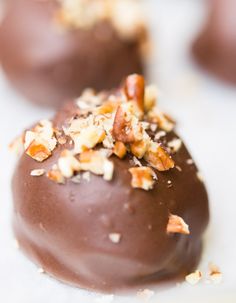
(142, 177)
(134, 89)
(97, 163)
(139, 148)
(194, 277)
(68, 164)
(158, 158)
(120, 149)
(55, 175)
(38, 150)
(122, 129)
(177, 225)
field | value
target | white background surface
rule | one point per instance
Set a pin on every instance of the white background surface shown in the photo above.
(206, 111)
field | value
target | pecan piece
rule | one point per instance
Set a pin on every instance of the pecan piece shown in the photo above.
(134, 89)
(158, 158)
(122, 129)
(38, 150)
(177, 225)
(119, 149)
(142, 177)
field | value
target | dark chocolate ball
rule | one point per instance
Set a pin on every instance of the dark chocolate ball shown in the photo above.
(215, 46)
(109, 235)
(49, 64)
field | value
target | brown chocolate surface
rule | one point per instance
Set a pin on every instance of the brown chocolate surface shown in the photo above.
(65, 228)
(49, 65)
(215, 47)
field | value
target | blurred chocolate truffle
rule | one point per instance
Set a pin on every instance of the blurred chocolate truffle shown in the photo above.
(215, 47)
(51, 50)
(106, 195)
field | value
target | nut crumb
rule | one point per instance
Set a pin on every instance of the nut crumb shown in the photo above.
(142, 177)
(177, 225)
(86, 176)
(37, 172)
(194, 277)
(189, 161)
(175, 145)
(215, 274)
(115, 238)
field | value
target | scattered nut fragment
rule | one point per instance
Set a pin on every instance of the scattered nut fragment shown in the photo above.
(120, 149)
(88, 138)
(122, 130)
(139, 148)
(38, 150)
(215, 274)
(40, 142)
(142, 177)
(115, 238)
(159, 135)
(163, 121)
(97, 163)
(145, 295)
(158, 158)
(68, 164)
(189, 161)
(177, 225)
(55, 175)
(134, 89)
(37, 172)
(86, 176)
(194, 277)
(175, 145)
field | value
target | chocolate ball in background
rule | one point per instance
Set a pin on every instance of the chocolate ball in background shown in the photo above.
(115, 232)
(49, 56)
(215, 47)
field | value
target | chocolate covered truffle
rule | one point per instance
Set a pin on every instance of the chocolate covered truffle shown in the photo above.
(106, 195)
(215, 47)
(51, 50)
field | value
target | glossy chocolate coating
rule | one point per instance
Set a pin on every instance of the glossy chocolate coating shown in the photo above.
(65, 228)
(215, 47)
(49, 65)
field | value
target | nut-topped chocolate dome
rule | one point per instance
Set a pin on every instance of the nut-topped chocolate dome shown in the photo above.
(106, 196)
(51, 50)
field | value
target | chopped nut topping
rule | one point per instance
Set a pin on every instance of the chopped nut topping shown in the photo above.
(41, 270)
(107, 125)
(158, 158)
(115, 238)
(175, 145)
(120, 149)
(85, 14)
(190, 161)
(55, 175)
(142, 177)
(40, 142)
(177, 225)
(134, 90)
(122, 129)
(215, 274)
(194, 277)
(68, 164)
(97, 163)
(38, 150)
(37, 172)
(139, 148)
